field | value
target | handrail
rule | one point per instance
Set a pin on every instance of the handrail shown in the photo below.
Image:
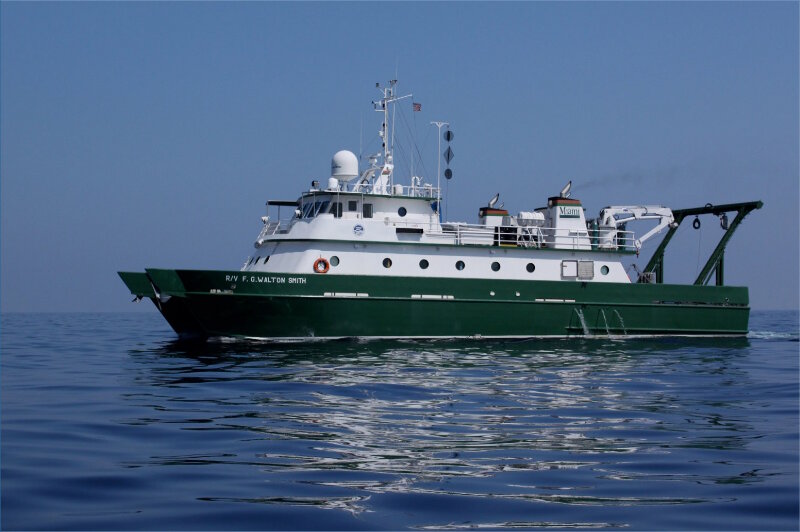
(536, 237)
(504, 235)
(414, 191)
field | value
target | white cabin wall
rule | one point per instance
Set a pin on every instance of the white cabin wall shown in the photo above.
(367, 259)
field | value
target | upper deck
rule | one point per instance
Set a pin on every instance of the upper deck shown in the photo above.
(410, 216)
(368, 205)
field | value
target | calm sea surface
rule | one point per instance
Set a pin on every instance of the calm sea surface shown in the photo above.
(108, 423)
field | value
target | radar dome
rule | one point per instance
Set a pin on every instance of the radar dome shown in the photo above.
(344, 165)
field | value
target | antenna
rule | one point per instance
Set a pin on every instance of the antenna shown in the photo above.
(382, 106)
(565, 191)
(394, 114)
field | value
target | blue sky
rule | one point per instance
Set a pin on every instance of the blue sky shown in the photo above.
(150, 135)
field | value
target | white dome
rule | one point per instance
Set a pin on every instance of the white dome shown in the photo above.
(344, 165)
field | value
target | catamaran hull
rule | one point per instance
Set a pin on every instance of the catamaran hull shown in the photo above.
(202, 304)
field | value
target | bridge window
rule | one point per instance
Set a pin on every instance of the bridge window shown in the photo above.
(336, 209)
(352, 206)
(367, 210)
(320, 207)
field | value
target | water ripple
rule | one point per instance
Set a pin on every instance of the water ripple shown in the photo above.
(421, 435)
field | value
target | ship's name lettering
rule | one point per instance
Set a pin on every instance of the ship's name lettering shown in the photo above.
(268, 279)
(570, 212)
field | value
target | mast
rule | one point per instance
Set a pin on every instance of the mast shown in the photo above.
(387, 172)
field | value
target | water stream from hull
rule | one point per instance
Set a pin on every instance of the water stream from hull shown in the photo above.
(621, 322)
(586, 331)
(608, 331)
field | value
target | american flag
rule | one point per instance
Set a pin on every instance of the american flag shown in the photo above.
(417, 106)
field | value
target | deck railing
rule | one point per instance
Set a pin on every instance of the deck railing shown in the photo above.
(604, 239)
(601, 239)
(411, 191)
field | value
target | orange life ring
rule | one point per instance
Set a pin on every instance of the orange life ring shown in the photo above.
(321, 266)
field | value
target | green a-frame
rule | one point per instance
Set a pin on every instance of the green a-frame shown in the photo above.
(715, 263)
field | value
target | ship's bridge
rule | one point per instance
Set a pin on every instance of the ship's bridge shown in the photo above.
(405, 206)
(405, 202)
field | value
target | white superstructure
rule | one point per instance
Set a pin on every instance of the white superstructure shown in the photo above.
(366, 223)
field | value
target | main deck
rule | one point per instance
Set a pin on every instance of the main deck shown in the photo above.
(237, 304)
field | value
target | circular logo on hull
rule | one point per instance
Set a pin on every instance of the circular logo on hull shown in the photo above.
(358, 229)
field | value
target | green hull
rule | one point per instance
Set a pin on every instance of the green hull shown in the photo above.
(199, 303)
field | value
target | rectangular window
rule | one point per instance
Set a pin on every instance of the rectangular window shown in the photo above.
(586, 269)
(367, 211)
(352, 206)
(569, 268)
(336, 209)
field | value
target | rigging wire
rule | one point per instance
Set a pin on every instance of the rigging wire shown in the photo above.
(403, 155)
(413, 143)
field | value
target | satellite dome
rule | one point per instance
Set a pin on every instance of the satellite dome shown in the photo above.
(344, 165)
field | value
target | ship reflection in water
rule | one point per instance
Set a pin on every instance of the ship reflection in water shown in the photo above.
(588, 433)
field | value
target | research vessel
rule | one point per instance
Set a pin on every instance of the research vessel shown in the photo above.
(361, 254)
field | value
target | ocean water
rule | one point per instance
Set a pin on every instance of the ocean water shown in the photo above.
(108, 423)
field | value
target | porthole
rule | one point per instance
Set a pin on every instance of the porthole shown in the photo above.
(530, 267)
(423, 264)
(387, 262)
(402, 211)
(460, 265)
(334, 261)
(604, 270)
(495, 266)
